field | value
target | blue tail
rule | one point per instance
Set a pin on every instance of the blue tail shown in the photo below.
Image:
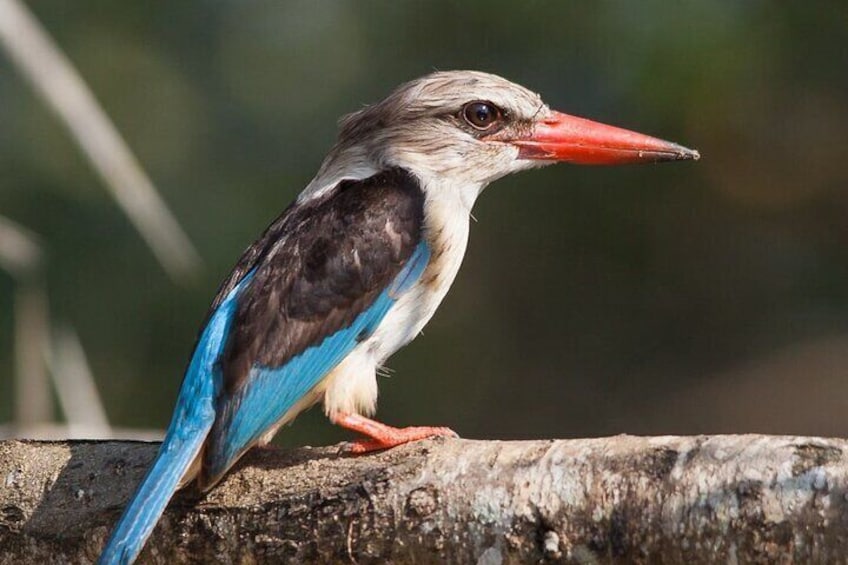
(140, 517)
(192, 420)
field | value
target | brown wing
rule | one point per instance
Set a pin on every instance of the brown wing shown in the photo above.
(322, 264)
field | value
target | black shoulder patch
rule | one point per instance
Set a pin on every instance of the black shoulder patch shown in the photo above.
(317, 267)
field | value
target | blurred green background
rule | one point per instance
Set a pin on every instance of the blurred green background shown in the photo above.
(684, 298)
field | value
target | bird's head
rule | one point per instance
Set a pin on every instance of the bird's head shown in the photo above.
(471, 128)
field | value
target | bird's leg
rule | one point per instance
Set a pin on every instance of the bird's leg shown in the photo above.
(383, 436)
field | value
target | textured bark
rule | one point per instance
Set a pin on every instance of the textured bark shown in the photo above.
(620, 499)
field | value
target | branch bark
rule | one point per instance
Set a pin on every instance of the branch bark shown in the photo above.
(622, 499)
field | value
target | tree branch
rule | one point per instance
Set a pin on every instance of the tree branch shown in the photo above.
(621, 499)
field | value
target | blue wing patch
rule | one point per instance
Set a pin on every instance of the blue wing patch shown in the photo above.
(270, 392)
(195, 404)
(411, 272)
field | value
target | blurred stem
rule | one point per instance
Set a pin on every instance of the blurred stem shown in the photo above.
(20, 250)
(33, 402)
(63, 90)
(75, 386)
(22, 257)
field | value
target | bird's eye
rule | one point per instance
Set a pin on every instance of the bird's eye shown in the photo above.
(481, 115)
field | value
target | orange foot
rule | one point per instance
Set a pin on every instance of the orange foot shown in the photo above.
(383, 436)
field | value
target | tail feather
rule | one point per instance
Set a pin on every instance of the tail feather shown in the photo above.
(173, 461)
(193, 418)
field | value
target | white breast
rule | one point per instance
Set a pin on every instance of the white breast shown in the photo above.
(352, 386)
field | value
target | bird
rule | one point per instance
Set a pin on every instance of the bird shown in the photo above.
(352, 270)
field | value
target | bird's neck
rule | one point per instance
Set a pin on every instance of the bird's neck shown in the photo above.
(453, 192)
(447, 213)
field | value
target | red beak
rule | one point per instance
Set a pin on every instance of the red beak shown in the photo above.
(570, 139)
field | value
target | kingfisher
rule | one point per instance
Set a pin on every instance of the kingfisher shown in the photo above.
(351, 272)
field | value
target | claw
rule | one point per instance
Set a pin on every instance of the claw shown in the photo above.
(383, 436)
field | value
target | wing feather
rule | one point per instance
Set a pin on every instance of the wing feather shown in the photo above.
(323, 277)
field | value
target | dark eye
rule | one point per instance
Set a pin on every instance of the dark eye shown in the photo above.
(481, 115)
